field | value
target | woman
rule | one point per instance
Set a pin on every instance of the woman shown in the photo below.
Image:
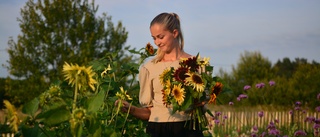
(167, 35)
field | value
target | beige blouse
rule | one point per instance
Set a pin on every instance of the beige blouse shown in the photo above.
(151, 95)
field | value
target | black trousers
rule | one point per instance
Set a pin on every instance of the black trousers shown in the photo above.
(173, 129)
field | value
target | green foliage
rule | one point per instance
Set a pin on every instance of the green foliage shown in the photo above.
(54, 32)
(296, 80)
(66, 109)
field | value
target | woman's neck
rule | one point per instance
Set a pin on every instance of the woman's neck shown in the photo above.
(173, 56)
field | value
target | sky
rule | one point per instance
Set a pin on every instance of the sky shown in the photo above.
(219, 29)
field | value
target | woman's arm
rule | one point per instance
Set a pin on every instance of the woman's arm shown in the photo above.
(142, 113)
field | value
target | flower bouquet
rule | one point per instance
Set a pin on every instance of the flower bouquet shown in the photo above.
(189, 87)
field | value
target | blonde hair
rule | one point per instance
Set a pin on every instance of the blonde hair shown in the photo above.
(171, 21)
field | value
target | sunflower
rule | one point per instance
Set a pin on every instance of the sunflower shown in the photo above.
(78, 115)
(166, 74)
(213, 98)
(105, 71)
(204, 61)
(79, 76)
(167, 87)
(123, 94)
(215, 91)
(178, 93)
(190, 63)
(180, 74)
(54, 90)
(12, 115)
(149, 49)
(195, 81)
(217, 88)
(165, 97)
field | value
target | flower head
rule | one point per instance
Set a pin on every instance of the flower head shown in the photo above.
(13, 116)
(260, 113)
(272, 83)
(203, 61)
(190, 63)
(79, 76)
(300, 133)
(231, 103)
(123, 94)
(260, 85)
(106, 70)
(54, 90)
(178, 93)
(150, 49)
(78, 115)
(246, 87)
(195, 81)
(180, 74)
(165, 75)
(215, 91)
(318, 108)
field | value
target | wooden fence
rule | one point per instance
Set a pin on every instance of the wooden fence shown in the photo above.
(229, 121)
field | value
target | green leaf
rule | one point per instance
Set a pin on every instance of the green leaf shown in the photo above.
(57, 117)
(31, 107)
(60, 104)
(94, 103)
(187, 102)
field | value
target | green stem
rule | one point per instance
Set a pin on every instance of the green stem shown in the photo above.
(75, 94)
(125, 120)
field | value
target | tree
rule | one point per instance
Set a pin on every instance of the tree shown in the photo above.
(58, 31)
(251, 68)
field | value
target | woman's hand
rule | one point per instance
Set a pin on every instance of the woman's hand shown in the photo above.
(126, 106)
(140, 113)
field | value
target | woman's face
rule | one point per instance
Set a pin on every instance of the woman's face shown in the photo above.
(164, 39)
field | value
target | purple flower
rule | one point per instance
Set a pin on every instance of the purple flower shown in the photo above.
(298, 103)
(243, 96)
(271, 126)
(318, 108)
(272, 83)
(290, 112)
(263, 134)
(255, 129)
(316, 126)
(297, 108)
(274, 132)
(260, 85)
(300, 133)
(276, 121)
(309, 119)
(218, 114)
(231, 103)
(225, 117)
(217, 121)
(247, 87)
(260, 114)
(318, 96)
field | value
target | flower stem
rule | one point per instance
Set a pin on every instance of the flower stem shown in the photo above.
(75, 94)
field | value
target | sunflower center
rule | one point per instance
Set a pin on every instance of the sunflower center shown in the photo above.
(197, 79)
(177, 93)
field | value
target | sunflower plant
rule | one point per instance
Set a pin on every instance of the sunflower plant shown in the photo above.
(82, 102)
(189, 86)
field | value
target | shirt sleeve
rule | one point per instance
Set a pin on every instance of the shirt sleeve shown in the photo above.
(145, 94)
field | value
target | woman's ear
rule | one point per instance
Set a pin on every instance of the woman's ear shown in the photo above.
(175, 33)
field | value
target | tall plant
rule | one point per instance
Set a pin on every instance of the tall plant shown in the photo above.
(83, 104)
